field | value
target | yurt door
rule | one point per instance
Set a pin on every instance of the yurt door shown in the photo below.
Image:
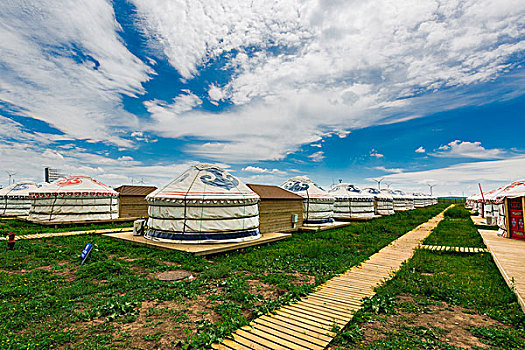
(517, 230)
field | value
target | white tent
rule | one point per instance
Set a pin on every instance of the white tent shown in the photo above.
(74, 198)
(409, 199)
(205, 204)
(384, 202)
(318, 205)
(490, 206)
(400, 199)
(351, 202)
(420, 200)
(14, 199)
(515, 194)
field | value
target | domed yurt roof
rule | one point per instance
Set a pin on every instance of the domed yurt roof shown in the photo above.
(379, 194)
(514, 190)
(204, 182)
(20, 189)
(306, 188)
(349, 191)
(75, 186)
(205, 204)
(14, 199)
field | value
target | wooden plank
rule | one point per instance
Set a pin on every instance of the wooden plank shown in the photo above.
(319, 311)
(296, 340)
(311, 315)
(320, 330)
(333, 309)
(315, 338)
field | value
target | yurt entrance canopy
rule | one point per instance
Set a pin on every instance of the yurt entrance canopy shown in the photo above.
(14, 199)
(384, 202)
(74, 198)
(318, 205)
(205, 204)
(513, 197)
(351, 202)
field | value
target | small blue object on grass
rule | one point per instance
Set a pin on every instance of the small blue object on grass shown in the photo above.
(85, 252)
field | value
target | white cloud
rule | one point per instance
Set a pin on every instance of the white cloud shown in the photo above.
(125, 158)
(258, 170)
(374, 153)
(420, 150)
(317, 156)
(466, 149)
(314, 68)
(65, 64)
(389, 170)
(463, 177)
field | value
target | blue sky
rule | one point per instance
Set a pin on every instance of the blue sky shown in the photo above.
(416, 92)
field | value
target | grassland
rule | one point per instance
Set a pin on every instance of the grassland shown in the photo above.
(116, 300)
(28, 228)
(441, 301)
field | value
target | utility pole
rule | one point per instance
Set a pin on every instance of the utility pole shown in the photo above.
(379, 182)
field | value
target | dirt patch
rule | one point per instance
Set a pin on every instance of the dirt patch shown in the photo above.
(446, 323)
(174, 275)
(266, 291)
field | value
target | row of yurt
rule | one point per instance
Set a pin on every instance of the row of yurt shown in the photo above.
(351, 202)
(15, 198)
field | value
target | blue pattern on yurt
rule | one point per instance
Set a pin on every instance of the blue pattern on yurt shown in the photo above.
(219, 179)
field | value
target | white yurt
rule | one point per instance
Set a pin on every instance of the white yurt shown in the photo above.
(205, 204)
(419, 200)
(384, 202)
(399, 199)
(351, 202)
(14, 199)
(318, 205)
(491, 207)
(74, 198)
(409, 199)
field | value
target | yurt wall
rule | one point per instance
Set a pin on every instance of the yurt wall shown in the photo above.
(132, 203)
(277, 207)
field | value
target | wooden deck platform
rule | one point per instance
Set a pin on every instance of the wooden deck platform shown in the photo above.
(199, 249)
(509, 256)
(70, 233)
(343, 218)
(80, 222)
(310, 323)
(315, 228)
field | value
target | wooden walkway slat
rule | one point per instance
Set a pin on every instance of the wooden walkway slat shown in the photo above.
(309, 323)
(70, 233)
(509, 256)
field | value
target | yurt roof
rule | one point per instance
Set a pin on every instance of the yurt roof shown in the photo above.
(205, 182)
(514, 190)
(19, 189)
(274, 192)
(378, 193)
(346, 190)
(306, 188)
(493, 194)
(396, 193)
(132, 190)
(74, 185)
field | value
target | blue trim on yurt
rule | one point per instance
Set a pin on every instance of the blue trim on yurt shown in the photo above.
(201, 236)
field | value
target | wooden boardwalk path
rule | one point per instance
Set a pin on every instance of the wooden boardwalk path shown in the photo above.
(311, 323)
(509, 256)
(444, 248)
(70, 233)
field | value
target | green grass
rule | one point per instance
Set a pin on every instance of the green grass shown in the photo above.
(28, 228)
(54, 298)
(468, 281)
(456, 232)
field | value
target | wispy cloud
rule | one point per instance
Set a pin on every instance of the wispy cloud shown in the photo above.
(258, 170)
(389, 170)
(420, 150)
(466, 149)
(376, 154)
(317, 156)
